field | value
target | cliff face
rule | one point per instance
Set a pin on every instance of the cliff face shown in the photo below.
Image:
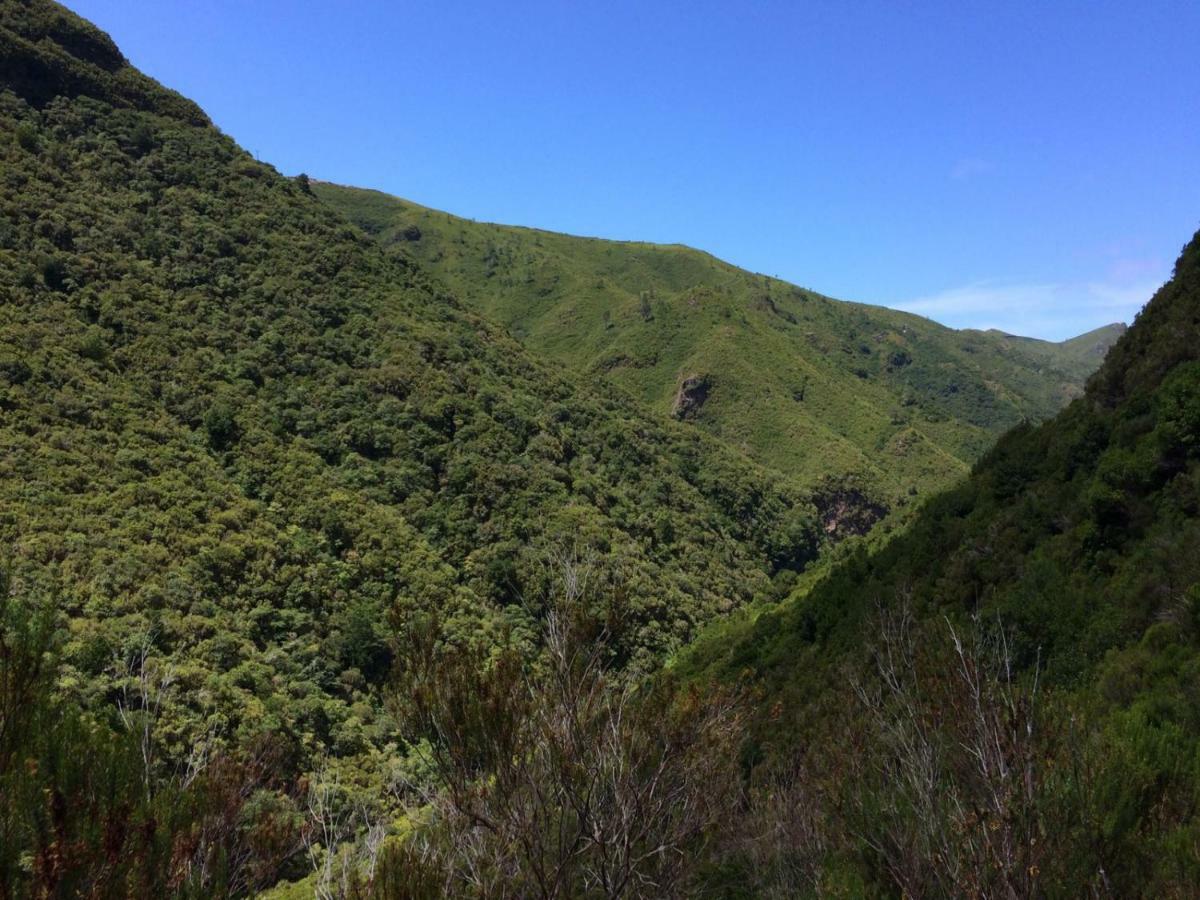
(847, 511)
(691, 396)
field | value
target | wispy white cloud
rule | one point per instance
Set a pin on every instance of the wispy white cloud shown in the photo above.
(1050, 310)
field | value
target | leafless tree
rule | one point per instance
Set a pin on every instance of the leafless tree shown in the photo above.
(248, 851)
(343, 839)
(374, 834)
(199, 755)
(783, 833)
(947, 795)
(146, 683)
(330, 824)
(560, 778)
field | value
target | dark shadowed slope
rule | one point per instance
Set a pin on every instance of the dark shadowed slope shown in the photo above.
(1080, 540)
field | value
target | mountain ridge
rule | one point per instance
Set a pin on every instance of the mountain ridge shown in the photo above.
(298, 538)
(243, 442)
(820, 389)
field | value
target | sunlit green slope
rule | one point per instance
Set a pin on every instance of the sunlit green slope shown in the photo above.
(235, 431)
(811, 386)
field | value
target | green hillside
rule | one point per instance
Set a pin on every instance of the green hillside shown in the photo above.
(1078, 542)
(813, 387)
(241, 447)
(1080, 355)
(339, 562)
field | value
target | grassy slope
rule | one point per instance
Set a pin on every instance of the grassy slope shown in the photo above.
(235, 429)
(1080, 356)
(1101, 496)
(811, 386)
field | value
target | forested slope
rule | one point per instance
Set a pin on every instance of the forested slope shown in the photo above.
(1073, 551)
(240, 443)
(819, 389)
(252, 462)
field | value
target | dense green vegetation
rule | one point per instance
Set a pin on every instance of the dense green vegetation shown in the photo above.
(816, 388)
(316, 581)
(1079, 541)
(240, 444)
(84, 814)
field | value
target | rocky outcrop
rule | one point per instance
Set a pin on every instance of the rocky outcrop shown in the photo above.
(847, 510)
(693, 392)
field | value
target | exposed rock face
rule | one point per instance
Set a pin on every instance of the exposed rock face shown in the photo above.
(692, 393)
(846, 510)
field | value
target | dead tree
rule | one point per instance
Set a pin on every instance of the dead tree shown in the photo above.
(947, 792)
(559, 778)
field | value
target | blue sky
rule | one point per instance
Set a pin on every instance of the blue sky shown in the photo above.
(1031, 166)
